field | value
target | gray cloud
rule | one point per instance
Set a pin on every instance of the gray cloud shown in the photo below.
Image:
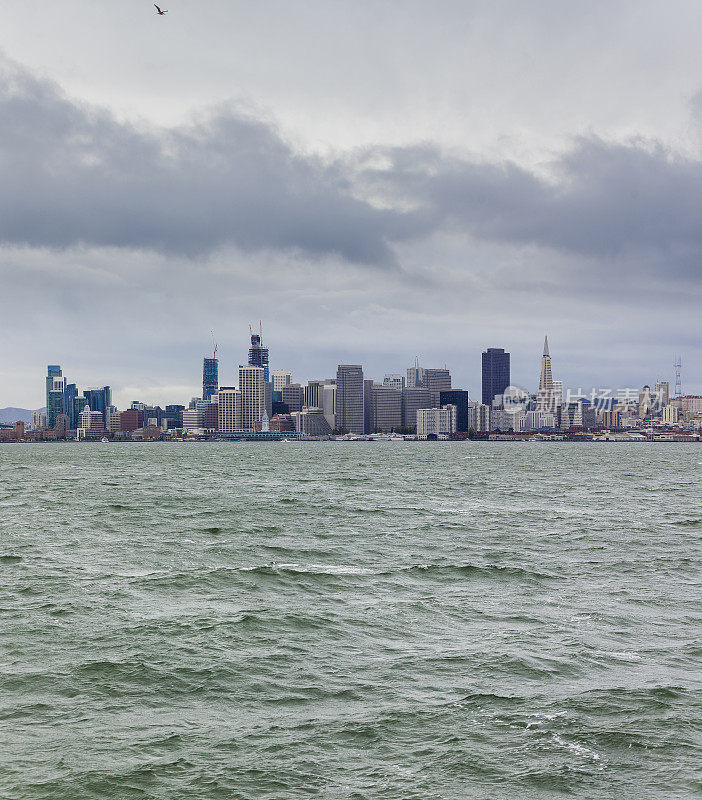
(74, 174)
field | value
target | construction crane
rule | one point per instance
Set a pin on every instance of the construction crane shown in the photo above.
(214, 342)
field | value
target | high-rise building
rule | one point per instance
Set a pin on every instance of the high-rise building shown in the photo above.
(38, 420)
(349, 398)
(293, 395)
(280, 378)
(368, 384)
(252, 385)
(433, 379)
(99, 400)
(386, 408)
(413, 399)
(210, 377)
(460, 399)
(394, 381)
(662, 394)
(328, 401)
(313, 394)
(545, 399)
(90, 423)
(436, 421)
(258, 355)
(496, 374)
(229, 407)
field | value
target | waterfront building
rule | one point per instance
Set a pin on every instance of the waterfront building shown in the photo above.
(312, 422)
(691, 404)
(328, 402)
(349, 398)
(479, 419)
(281, 423)
(193, 419)
(91, 424)
(671, 414)
(229, 410)
(436, 421)
(38, 420)
(368, 384)
(210, 417)
(210, 377)
(258, 355)
(496, 374)
(56, 400)
(386, 408)
(253, 396)
(173, 416)
(281, 378)
(413, 399)
(98, 400)
(130, 420)
(612, 419)
(460, 399)
(394, 381)
(293, 395)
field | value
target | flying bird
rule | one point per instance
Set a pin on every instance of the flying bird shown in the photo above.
(159, 10)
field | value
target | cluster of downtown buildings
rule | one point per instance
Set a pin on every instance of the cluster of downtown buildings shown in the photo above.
(421, 403)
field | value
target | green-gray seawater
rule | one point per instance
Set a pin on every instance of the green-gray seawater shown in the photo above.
(371, 620)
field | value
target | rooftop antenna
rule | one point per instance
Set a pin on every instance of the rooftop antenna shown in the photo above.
(678, 382)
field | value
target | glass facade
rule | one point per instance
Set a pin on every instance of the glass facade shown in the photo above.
(496, 373)
(460, 399)
(210, 377)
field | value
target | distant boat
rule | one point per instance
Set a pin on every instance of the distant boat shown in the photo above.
(104, 439)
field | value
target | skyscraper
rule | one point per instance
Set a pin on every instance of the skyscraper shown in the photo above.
(349, 398)
(545, 397)
(496, 374)
(281, 377)
(99, 400)
(460, 399)
(253, 396)
(54, 401)
(210, 377)
(258, 354)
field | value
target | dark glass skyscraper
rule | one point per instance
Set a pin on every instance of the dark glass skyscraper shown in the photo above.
(210, 377)
(496, 373)
(99, 400)
(458, 398)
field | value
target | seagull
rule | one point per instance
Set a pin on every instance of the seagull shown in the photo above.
(159, 10)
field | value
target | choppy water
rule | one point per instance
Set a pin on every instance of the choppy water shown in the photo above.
(350, 621)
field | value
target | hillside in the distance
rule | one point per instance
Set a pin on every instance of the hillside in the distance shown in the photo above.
(11, 415)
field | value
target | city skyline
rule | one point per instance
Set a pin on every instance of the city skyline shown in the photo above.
(366, 209)
(227, 373)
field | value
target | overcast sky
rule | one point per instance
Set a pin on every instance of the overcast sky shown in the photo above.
(374, 180)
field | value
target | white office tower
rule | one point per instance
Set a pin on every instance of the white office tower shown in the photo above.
(349, 398)
(252, 385)
(436, 421)
(394, 382)
(671, 414)
(328, 402)
(112, 419)
(193, 419)
(228, 409)
(38, 420)
(645, 402)
(90, 423)
(479, 419)
(281, 377)
(557, 394)
(662, 395)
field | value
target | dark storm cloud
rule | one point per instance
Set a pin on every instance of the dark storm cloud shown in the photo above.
(72, 174)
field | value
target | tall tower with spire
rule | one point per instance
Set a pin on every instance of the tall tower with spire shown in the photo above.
(545, 399)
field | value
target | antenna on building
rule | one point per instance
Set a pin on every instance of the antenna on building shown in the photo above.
(678, 383)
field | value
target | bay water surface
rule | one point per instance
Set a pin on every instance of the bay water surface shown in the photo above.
(353, 621)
